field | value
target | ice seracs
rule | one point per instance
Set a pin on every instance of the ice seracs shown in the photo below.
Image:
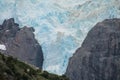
(60, 25)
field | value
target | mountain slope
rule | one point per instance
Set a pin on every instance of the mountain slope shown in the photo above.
(99, 56)
(12, 69)
(60, 25)
(20, 43)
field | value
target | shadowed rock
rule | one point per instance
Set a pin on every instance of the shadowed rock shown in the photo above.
(99, 56)
(20, 43)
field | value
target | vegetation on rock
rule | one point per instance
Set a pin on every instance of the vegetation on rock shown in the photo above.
(13, 69)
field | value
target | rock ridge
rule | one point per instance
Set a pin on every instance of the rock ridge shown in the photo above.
(99, 56)
(20, 43)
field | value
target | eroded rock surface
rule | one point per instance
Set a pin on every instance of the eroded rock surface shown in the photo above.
(99, 56)
(20, 43)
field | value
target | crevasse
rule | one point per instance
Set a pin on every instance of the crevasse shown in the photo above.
(60, 25)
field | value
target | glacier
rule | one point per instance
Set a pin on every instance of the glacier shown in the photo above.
(60, 25)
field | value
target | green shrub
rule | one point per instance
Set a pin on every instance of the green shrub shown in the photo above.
(17, 70)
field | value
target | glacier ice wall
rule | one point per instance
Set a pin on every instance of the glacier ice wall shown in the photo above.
(60, 25)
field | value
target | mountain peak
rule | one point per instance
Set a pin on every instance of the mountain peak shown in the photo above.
(20, 43)
(9, 24)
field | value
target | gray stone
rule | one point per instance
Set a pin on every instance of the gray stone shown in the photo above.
(99, 56)
(21, 43)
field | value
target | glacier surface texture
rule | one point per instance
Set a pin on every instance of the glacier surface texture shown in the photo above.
(60, 25)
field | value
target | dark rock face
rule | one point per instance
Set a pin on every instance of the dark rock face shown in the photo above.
(20, 43)
(99, 56)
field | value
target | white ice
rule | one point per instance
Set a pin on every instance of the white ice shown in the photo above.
(2, 47)
(60, 25)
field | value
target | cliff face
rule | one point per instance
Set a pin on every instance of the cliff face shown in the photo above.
(20, 43)
(99, 56)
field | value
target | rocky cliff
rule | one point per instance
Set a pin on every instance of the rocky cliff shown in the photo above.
(99, 56)
(20, 43)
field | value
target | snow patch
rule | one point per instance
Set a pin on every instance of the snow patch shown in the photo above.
(2, 47)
